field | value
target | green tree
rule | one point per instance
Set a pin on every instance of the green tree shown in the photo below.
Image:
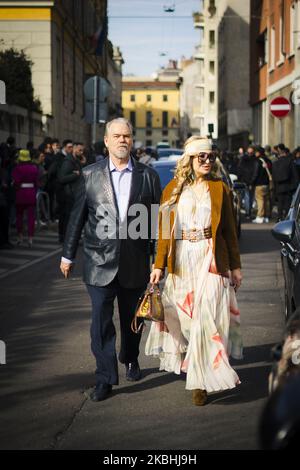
(15, 71)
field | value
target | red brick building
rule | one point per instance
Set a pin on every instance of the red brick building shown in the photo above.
(274, 67)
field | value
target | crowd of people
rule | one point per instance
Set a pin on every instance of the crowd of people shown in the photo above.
(39, 181)
(43, 180)
(271, 177)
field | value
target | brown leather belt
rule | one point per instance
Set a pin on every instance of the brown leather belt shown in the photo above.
(196, 235)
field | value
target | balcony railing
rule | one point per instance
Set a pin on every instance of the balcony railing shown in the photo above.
(198, 19)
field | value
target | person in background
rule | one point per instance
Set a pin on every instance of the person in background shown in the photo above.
(39, 160)
(100, 151)
(30, 147)
(25, 179)
(245, 172)
(286, 179)
(296, 155)
(79, 154)
(53, 179)
(68, 176)
(261, 180)
(55, 146)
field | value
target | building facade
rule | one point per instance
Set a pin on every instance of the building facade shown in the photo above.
(191, 104)
(152, 105)
(234, 111)
(275, 69)
(61, 38)
(206, 55)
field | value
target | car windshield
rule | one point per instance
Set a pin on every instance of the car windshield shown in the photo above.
(163, 153)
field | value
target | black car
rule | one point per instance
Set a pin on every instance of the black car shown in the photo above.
(288, 233)
(166, 169)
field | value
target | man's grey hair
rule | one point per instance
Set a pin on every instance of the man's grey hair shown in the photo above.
(119, 120)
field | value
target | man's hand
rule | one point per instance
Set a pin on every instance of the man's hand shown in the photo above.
(236, 278)
(66, 268)
(156, 276)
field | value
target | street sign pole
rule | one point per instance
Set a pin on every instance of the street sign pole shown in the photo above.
(281, 130)
(95, 103)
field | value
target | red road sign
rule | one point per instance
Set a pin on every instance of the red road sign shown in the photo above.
(280, 107)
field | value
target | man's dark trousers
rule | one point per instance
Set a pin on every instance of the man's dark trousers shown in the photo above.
(103, 333)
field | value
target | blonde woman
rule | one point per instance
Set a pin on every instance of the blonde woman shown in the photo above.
(199, 246)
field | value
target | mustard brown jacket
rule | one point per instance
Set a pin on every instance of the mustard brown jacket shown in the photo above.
(224, 233)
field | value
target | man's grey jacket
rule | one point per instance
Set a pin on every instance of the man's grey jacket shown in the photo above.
(106, 251)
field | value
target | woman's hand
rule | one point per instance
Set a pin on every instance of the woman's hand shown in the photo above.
(236, 278)
(156, 276)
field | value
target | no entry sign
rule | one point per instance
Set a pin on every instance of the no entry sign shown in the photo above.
(280, 107)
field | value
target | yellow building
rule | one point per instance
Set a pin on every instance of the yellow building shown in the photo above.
(153, 108)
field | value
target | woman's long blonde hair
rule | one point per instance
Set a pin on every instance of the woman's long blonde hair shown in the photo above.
(184, 173)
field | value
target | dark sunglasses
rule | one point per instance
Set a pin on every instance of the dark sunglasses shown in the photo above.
(203, 157)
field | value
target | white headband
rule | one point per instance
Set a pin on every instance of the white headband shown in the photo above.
(198, 146)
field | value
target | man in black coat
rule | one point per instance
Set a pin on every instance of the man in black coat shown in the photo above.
(285, 178)
(53, 181)
(117, 249)
(68, 176)
(245, 173)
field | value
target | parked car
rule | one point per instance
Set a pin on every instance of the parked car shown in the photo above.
(288, 233)
(166, 169)
(163, 145)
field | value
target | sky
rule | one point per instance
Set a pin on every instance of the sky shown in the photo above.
(144, 31)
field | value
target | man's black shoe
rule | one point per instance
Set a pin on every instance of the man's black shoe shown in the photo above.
(101, 392)
(133, 371)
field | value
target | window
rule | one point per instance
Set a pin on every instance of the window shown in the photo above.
(212, 67)
(132, 97)
(149, 97)
(293, 28)
(165, 119)
(148, 143)
(165, 132)
(212, 39)
(165, 97)
(272, 48)
(148, 132)
(133, 118)
(212, 97)
(298, 25)
(148, 119)
(212, 7)
(262, 48)
(281, 37)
